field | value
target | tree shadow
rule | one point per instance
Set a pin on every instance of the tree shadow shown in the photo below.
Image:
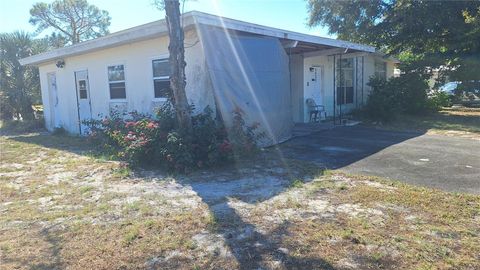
(74, 144)
(55, 242)
(54, 261)
(256, 250)
(341, 146)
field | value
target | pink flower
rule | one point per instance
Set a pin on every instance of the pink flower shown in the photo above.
(130, 137)
(152, 125)
(130, 124)
(105, 122)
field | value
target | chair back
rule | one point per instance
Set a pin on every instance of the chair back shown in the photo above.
(311, 103)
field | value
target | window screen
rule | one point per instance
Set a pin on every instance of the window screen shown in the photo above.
(345, 78)
(161, 78)
(82, 89)
(381, 69)
(116, 81)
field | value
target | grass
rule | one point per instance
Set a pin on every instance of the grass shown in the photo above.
(444, 234)
(455, 121)
(62, 207)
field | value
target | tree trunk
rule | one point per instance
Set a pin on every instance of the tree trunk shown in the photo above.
(177, 63)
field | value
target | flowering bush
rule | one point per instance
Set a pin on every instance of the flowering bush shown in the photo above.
(143, 139)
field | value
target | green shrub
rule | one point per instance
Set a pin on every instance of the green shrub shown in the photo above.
(439, 99)
(404, 94)
(143, 139)
(380, 101)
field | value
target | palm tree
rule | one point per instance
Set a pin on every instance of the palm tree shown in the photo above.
(19, 85)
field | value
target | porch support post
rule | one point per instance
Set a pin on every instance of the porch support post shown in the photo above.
(334, 90)
(363, 76)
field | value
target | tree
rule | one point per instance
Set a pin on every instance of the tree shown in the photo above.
(19, 85)
(55, 41)
(425, 35)
(75, 20)
(176, 49)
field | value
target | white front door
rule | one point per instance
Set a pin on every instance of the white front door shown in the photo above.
(83, 99)
(53, 101)
(317, 85)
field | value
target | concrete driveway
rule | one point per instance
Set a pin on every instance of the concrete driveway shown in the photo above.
(448, 163)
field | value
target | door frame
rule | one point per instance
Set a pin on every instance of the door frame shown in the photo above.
(78, 98)
(318, 92)
(52, 99)
(319, 69)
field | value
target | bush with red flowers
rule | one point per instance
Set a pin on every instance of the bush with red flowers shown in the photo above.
(157, 140)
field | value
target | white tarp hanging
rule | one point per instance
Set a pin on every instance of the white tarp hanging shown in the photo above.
(250, 73)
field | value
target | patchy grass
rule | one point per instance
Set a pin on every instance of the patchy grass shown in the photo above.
(62, 207)
(386, 224)
(449, 121)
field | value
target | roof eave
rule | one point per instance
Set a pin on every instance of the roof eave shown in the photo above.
(139, 33)
(213, 20)
(159, 28)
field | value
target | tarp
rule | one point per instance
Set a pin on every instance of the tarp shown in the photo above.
(250, 73)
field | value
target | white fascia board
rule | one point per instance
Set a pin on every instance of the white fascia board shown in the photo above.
(212, 20)
(159, 28)
(324, 52)
(138, 33)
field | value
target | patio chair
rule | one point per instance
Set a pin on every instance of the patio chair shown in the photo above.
(315, 110)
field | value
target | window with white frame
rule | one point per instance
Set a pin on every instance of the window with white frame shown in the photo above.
(345, 78)
(116, 82)
(381, 69)
(161, 78)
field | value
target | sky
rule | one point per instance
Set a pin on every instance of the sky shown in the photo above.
(283, 14)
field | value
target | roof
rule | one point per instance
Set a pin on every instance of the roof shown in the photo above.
(303, 42)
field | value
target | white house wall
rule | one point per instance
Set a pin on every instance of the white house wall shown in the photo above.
(137, 59)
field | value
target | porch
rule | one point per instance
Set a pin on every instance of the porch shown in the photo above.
(304, 129)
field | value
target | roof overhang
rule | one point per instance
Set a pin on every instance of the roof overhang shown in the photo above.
(314, 42)
(303, 43)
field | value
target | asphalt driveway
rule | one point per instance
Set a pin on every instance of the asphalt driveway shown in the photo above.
(448, 163)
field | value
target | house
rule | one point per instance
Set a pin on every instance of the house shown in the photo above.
(266, 72)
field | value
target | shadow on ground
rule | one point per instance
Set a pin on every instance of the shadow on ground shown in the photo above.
(252, 247)
(338, 147)
(73, 144)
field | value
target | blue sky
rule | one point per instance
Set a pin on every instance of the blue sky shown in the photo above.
(285, 14)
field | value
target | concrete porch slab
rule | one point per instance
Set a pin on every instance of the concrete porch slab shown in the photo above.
(304, 129)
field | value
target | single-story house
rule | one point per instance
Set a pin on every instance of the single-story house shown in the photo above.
(266, 72)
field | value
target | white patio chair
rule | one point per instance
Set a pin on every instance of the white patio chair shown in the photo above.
(315, 110)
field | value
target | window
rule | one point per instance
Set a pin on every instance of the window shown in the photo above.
(116, 81)
(161, 78)
(345, 79)
(381, 69)
(82, 89)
